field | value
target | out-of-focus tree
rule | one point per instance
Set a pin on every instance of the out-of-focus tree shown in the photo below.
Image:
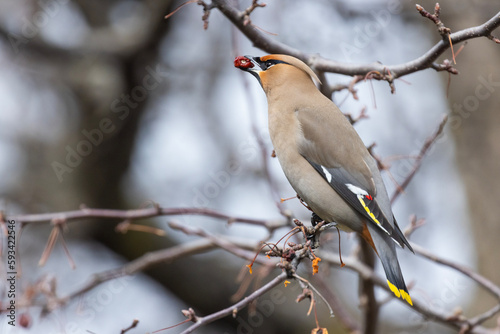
(90, 84)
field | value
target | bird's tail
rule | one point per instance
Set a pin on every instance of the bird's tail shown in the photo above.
(385, 247)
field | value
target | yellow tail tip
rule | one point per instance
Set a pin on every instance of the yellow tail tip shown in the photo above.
(406, 296)
(400, 293)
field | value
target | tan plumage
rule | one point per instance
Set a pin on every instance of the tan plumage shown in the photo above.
(325, 160)
(294, 128)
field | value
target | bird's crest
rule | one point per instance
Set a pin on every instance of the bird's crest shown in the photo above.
(294, 62)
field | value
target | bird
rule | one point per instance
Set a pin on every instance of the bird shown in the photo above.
(325, 160)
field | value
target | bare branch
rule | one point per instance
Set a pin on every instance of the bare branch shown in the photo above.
(166, 255)
(423, 308)
(443, 31)
(220, 242)
(233, 309)
(210, 242)
(362, 115)
(142, 263)
(141, 214)
(483, 317)
(246, 14)
(445, 66)
(493, 38)
(483, 281)
(206, 12)
(319, 63)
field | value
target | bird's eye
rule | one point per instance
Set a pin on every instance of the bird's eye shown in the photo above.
(269, 64)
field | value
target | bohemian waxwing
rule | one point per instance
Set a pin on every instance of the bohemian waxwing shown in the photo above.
(325, 160)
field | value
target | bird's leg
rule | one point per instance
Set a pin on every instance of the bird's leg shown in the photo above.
(315, 219)
(318, 226)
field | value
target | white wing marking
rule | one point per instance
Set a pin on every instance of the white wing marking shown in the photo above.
(327, 174)
(356, 190)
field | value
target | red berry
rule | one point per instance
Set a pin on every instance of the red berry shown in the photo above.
(242, 62)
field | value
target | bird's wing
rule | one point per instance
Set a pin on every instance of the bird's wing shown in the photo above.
(339, 156)
(355, 194)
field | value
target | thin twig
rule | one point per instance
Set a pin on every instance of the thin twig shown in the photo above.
(418, 159)
(246, 13)
(178, 8)
(51, 241)
(233, 309)
(484, 316)
(133, 325)
(493, 38)
(310, 286)
(65, 247)
(350, 323)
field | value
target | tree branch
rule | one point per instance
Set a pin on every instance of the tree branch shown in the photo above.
(481, 280)
(449, 319)
(233, 309)
(142, 263)
(147, 261)
(220, 242)
(155, 211)
(209, 242)
(387, 72)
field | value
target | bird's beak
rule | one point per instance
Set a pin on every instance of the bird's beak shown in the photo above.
(249, 64)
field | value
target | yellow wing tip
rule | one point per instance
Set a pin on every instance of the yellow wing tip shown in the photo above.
(400, 293)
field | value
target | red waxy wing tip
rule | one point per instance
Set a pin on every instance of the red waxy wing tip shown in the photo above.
(242, 62)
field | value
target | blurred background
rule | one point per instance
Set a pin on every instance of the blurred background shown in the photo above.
(107, 104)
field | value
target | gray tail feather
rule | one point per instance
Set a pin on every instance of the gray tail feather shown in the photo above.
(400, 237)
(387, 253)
